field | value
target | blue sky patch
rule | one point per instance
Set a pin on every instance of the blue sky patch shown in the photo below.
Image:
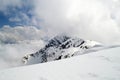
(16, 16)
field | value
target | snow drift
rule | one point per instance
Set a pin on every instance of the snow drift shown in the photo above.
(101, 65)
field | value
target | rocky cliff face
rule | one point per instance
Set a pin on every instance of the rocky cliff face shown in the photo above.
(60, 47)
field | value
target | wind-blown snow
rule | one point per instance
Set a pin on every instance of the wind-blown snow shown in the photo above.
(101, 65)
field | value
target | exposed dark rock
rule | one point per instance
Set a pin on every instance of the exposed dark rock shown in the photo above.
(56, 48)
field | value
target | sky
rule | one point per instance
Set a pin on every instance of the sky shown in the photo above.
(14, 13)
(95, 20)
(26, 22)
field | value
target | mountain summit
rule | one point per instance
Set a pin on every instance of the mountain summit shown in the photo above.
(60, 47)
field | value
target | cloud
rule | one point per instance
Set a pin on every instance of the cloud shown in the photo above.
(17, 41)
(96, 19)
(4, 4)
(18, 12)
(11, 54)
(19, 33)
(88, 19)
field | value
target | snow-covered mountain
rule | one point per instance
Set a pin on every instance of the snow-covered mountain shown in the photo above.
(60, 47)
(100, 65)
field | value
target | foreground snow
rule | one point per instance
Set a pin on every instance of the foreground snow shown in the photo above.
(101, 65)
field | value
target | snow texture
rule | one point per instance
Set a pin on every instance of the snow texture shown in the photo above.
(100, 65)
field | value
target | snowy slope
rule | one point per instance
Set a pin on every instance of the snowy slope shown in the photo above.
(101, 65)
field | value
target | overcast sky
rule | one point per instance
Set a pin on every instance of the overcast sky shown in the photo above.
(89, 19)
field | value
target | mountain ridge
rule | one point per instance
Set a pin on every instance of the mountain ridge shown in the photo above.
(60, 47)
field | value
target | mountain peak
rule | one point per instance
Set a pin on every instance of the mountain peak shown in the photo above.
(60, 47)
(57, 40)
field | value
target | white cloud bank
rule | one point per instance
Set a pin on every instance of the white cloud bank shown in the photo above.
(89, 19)
(11, 54)
(15, 34)
(16, 42)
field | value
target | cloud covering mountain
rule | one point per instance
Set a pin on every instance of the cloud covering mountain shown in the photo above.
(96, 19)
(37, 20)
